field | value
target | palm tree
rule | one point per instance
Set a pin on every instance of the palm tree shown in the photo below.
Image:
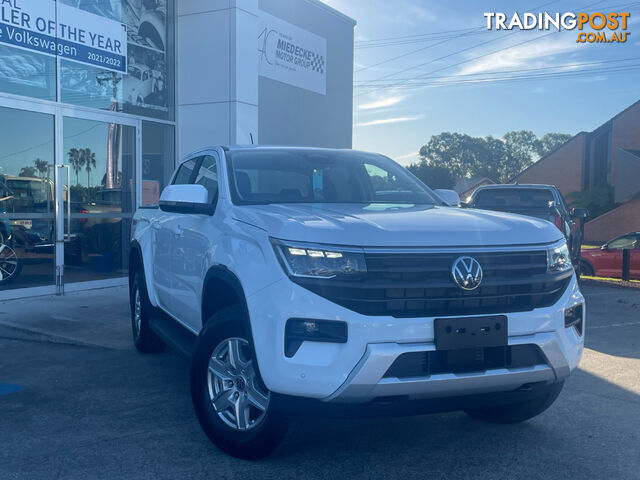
(42, 166)
(89, 162)
(76, 161)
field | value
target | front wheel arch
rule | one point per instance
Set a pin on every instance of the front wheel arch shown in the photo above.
(221, 288)
(586, 268)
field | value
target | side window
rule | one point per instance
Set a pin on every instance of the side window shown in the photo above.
(626, 242)
(185, 172)
(208, 177)
(385, 184)
(563, 204)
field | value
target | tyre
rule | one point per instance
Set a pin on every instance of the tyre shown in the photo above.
(586, 269)
(519, 412)
(234, 408)
(10, 264)
(145, 339)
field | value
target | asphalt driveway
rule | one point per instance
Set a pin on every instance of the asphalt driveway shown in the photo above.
(77, 401)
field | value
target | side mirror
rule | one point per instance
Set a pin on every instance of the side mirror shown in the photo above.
(190, 199)
(582, 213)
(449, 197)
(604, 247)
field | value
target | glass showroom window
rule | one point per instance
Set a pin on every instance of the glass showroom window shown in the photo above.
(27, 73)
(158, 160)
(147, 88)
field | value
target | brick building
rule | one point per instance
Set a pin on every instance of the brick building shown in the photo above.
(610, 155)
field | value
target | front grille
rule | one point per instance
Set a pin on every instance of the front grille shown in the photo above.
(469, 360)
(421, 285)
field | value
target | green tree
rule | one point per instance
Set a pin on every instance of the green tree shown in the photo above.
(456, 152)
(550, 141)
(89, 160)
(435, 177)
(598, 200)
(464, 156)
(76, 160)
(42, 166)
(28, 172)
(520, 147)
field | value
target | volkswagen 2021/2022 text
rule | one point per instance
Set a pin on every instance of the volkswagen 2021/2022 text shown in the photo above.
(333, 278)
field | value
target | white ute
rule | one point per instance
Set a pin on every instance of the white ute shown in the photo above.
(310, 280)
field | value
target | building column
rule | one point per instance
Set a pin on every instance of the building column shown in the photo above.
(244, 72)
(217, 73)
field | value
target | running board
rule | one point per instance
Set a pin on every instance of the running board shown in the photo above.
(173, 334)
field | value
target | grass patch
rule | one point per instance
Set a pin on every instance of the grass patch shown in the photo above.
(609, 279)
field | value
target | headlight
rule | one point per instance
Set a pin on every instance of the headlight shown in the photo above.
(319, 261)
(558, 259)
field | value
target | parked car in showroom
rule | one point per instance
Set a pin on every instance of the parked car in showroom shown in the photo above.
(24, 240)
(606, 261)
(307, 280)
(539, 201)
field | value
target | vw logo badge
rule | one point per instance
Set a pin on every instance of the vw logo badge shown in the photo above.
(467, 273)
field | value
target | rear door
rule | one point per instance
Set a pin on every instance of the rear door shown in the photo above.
(612, 258)
(635, 259)
(575, 230)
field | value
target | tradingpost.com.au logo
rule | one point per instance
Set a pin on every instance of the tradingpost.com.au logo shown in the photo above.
(603, 27)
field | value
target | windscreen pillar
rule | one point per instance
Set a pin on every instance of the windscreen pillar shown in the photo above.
(217, 73)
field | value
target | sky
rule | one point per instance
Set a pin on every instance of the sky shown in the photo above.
(568, 87)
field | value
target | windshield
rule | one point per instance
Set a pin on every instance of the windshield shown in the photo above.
(321, 176)
(513, 198)
(35, 190)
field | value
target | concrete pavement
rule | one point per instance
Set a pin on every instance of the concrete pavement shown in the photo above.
(89, 406)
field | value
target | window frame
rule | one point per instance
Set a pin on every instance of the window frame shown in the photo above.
(198, 160)
(238, 201)
(201, 159)
(634, 242)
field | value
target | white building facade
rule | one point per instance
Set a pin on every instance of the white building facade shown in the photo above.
(99, 98)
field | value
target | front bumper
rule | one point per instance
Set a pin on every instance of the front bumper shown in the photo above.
(354, 372)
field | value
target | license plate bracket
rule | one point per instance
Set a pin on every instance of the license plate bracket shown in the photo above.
(471, 332)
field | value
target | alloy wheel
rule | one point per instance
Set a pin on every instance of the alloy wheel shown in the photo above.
(137, 311)
(8, 262)
(234, 387)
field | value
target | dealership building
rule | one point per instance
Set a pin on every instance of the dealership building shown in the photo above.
(99, 98)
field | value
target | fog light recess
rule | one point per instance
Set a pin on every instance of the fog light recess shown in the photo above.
(300, 330)
(573, 317)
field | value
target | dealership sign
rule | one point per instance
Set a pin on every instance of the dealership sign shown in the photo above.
(52, 28)
(291, 55)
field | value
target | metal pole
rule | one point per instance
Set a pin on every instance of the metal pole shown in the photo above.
(626, 262)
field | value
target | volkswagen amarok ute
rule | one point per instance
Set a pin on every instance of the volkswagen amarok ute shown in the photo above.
(301, 281)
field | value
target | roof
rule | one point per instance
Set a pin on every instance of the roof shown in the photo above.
(333, 11)
(576, 136)
(233, 148)
(548, 155)
(635, 153)
(239, 148)
(518, 185)
(466, 184)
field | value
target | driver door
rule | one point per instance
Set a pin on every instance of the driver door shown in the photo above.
(163, 255)
(194, 240)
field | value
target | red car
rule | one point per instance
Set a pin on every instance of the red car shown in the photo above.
(606, 261)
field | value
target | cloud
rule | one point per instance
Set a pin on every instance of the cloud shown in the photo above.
(381, 103)
(385, 121)
(408, 158)
(529, 55)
